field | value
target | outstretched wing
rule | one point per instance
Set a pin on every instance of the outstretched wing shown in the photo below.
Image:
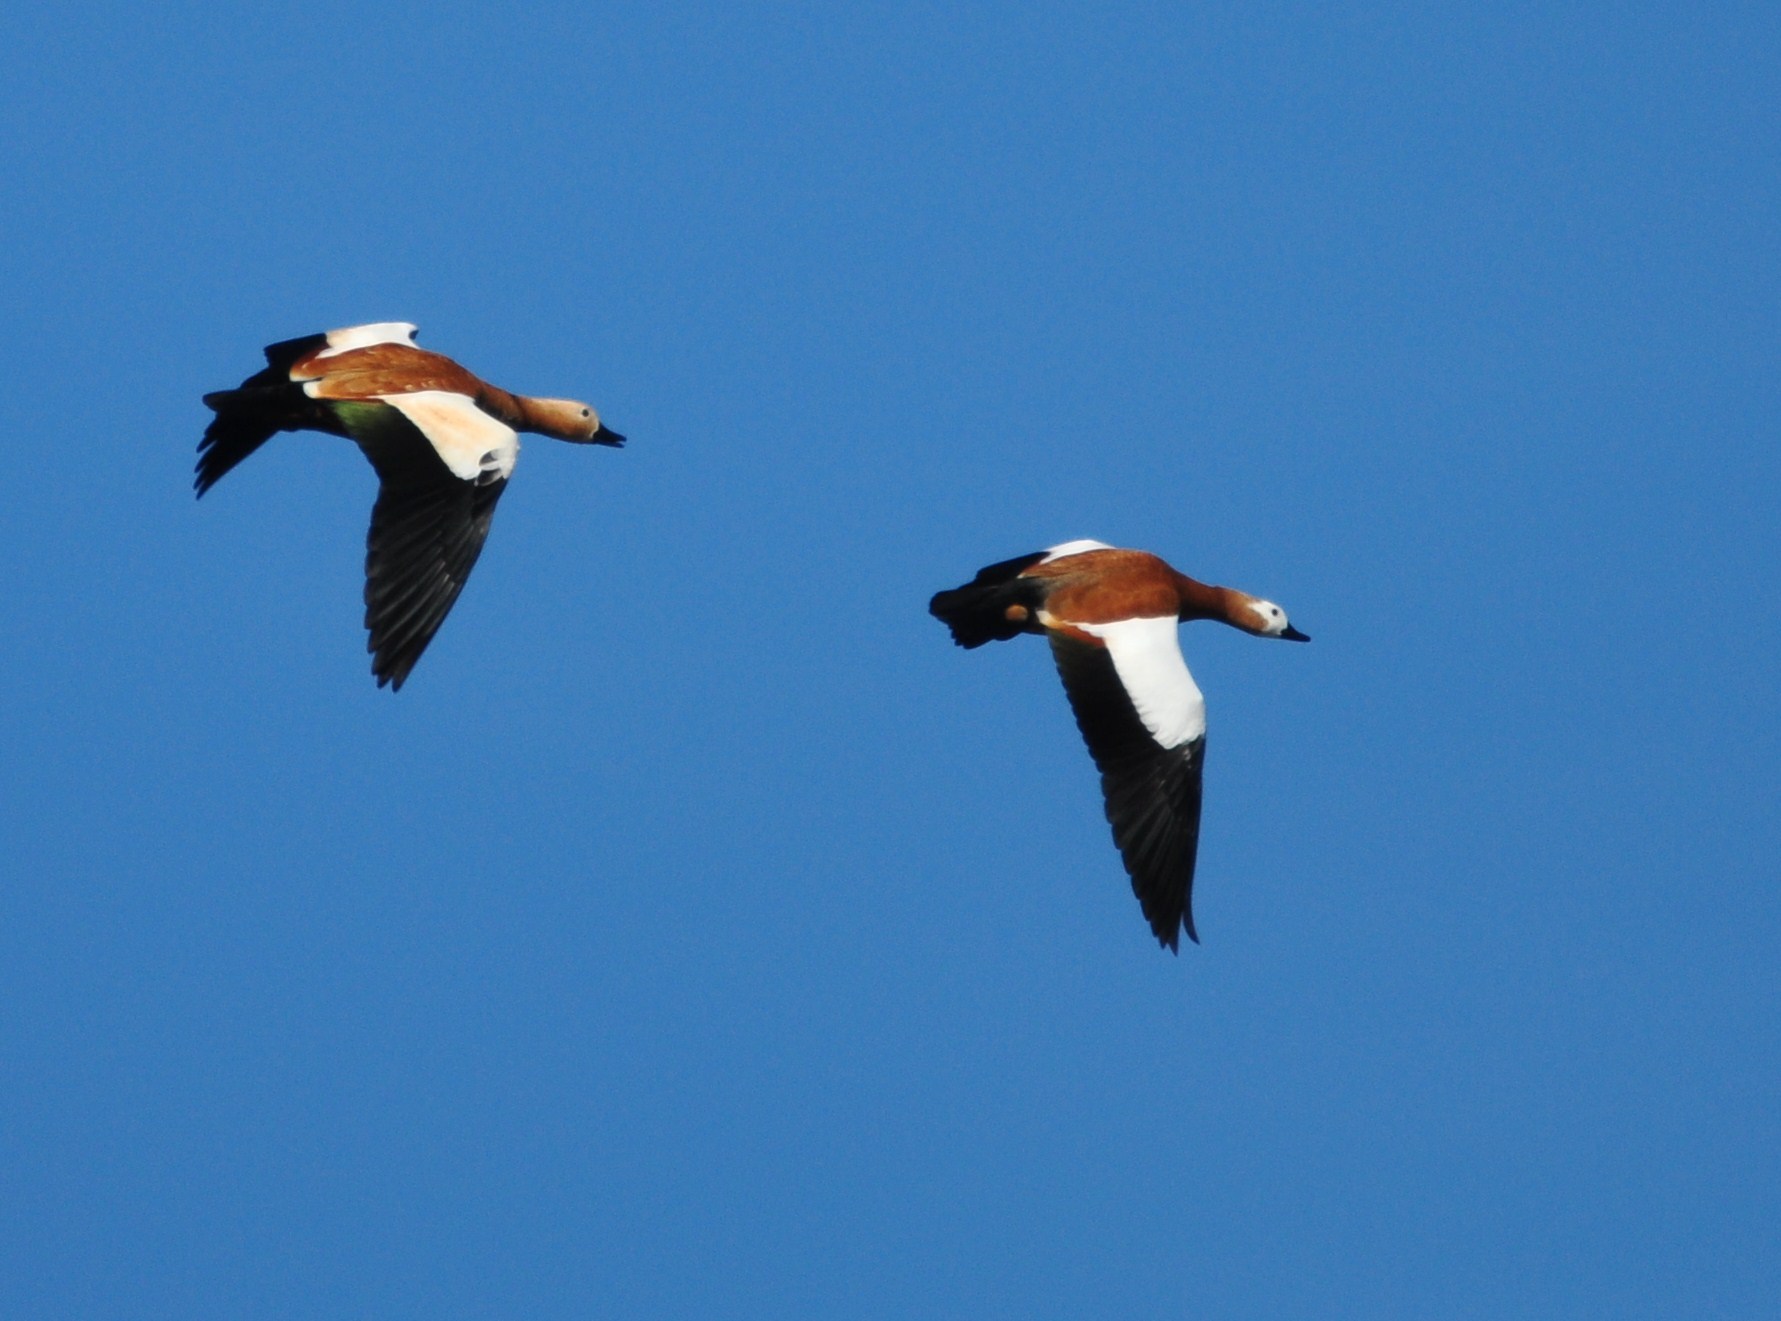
(425, 538)
(427, 527)
(1144, 722)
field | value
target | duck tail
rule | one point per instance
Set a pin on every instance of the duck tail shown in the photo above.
(996, 605)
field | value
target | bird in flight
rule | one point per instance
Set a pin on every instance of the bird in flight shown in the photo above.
(443, 443)
(1111, 618)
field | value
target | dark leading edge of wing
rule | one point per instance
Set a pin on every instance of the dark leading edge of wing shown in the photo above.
(1152, 792)
(427, 529)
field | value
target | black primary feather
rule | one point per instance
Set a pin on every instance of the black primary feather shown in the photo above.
(428, 528)
(1152, 793)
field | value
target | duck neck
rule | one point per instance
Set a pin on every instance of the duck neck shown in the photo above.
(510, 408)
(1204, 601)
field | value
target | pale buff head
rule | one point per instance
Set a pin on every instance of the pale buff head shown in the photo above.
(568, 419)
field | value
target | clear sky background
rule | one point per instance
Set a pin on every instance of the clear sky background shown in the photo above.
(700, 934)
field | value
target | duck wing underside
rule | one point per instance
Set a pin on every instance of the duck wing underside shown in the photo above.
(427, 529)
(1152, 792)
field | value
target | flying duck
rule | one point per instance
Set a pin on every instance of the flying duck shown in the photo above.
(443, 443)
(1111, 618)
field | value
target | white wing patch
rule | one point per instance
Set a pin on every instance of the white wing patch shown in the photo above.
(1147, 656)
(359, 337)
(460, 431)
(1073, 548)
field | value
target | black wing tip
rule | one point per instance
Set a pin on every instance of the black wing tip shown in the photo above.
(1167, 904)
(208, 471)
(422, 545)
(394, 659)
(389, 667)
(1168, 930)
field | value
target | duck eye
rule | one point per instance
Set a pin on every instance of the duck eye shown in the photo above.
(584, 412)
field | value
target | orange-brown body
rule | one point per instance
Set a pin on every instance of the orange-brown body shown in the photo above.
(379, 370)
(1102, 586)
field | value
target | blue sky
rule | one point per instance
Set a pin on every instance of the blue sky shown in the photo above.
(699, 933)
